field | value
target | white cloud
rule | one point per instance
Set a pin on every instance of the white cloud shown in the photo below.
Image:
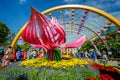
(96, 4)
(22, 1)
(110, 6)
(71, 1)
(101, 4)
(117, 3)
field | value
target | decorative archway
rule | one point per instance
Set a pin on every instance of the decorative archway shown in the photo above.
(73, 7)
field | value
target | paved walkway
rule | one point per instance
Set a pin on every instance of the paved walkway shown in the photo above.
(111, 62)
(114, 63)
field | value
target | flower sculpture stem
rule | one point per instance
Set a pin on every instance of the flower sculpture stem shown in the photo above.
(53, 55)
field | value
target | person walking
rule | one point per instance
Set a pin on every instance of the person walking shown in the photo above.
(1, 55)
(94, 54)
(110, 54)
(105, 55)
(24, 55)
(13, 56)
(79, 54)
(34, 53)
(86, 54)
(19, 55)
(6, 57)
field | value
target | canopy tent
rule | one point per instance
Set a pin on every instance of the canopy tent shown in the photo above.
(78, 42)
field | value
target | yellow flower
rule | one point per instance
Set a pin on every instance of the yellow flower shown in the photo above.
(62, 64)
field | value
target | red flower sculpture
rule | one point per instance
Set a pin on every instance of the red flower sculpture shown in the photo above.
(42, 32)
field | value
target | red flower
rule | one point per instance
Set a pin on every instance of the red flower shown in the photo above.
(91, 79)
(107, 72)
(101, 67)
(105, 77)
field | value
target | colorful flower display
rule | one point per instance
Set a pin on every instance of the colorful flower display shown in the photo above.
(61, 64)
(66, 69)
(16, 72)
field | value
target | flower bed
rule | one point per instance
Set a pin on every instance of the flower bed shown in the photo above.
(107, 72)
(74, 69)
(61, 64)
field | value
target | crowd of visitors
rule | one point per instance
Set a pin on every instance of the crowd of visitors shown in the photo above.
(92, 54)
(7, 56)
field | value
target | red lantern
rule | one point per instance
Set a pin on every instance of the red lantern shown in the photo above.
(113, 35)
(93, 44)
(118, 32)
(104, 39)
(107, 37)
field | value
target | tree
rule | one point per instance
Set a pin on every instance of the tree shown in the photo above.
(11, 37)
(114, 41)
(4, 32)
(24, 46)
(86, 46)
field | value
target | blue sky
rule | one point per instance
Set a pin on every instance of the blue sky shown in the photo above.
(15, 13)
